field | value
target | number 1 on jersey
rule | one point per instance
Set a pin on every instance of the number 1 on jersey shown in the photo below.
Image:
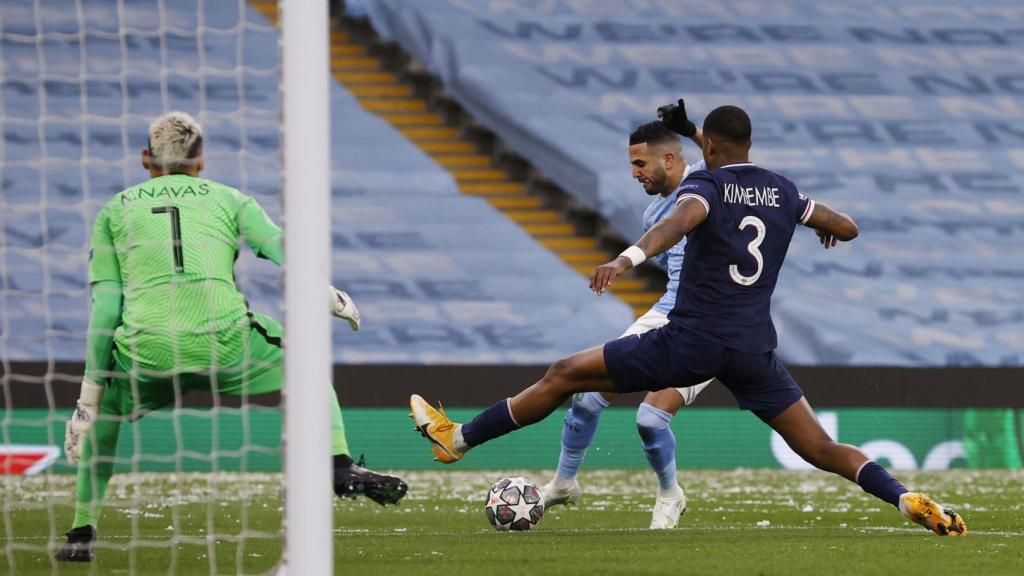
(734, 270)
(179, 258)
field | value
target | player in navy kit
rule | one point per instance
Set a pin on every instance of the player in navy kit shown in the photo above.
(738, 219)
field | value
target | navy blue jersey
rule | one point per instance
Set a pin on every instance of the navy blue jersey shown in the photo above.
(734, 256)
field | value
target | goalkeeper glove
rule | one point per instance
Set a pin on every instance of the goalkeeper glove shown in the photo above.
(343, 307)
(673, 116)
(83, 419)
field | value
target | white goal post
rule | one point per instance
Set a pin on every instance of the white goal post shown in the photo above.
(308, 521)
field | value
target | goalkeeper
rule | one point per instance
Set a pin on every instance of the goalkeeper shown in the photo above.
(167, 318)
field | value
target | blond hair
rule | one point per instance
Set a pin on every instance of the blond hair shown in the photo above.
(174, 139)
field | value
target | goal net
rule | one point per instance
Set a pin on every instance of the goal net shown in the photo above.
(196, 485)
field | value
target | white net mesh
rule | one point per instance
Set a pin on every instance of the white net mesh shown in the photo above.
(195, 488)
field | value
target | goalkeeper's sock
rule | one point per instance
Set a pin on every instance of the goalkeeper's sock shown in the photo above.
(93, 477)
(91, 489)
(343, 461)
(581, 422)
(491, 423)
(659, 443)
(339, 442)
(85, 515)
(876, 481)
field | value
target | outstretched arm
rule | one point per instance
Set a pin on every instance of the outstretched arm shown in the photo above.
(831, 226)
(260, 232)
(690, 212)
(264, 237)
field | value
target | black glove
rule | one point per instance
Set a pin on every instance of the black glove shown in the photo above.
(673, 116)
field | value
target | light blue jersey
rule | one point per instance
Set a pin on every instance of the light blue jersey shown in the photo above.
(672, 259)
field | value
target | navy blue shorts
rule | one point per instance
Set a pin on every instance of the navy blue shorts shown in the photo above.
(669, 357)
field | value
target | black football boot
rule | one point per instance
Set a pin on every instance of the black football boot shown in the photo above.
(351, 480)
(78, 548)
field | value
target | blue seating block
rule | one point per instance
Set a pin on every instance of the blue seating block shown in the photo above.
(907, 116)
(439, 277)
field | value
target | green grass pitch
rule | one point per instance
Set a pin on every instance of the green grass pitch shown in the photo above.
(739, 522)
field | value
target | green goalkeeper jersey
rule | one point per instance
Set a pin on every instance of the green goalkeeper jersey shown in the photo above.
(171, 242)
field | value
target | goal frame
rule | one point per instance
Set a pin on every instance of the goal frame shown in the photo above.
(308, 508)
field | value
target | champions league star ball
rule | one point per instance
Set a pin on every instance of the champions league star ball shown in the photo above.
(514, 504)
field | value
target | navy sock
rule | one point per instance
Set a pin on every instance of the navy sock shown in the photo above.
(342, 461)
(489, 424)
(876, 481)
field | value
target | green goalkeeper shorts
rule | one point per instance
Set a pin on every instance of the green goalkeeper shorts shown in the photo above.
(134, 393)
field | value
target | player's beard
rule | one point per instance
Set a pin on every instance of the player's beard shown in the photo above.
(660, 185)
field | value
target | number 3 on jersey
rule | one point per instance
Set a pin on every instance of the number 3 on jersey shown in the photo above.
(179, 258)
(734, 270)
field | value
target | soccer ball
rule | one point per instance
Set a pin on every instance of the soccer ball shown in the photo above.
(514, 504)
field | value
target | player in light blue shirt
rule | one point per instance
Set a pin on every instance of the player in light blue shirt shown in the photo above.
(656, 155)
(672, 259)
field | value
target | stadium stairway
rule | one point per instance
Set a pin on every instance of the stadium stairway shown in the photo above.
(382, 87)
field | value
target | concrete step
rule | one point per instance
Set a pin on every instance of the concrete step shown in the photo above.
(589, 258)
(540, 230)
(508, 202)
(430, 133)
(464, 161)
(395, 105)
(349, 79)
(400, 119)
(355, 63)
(629, 284)
(477, 175)
(381, 91)
(532, 216)
(436, 149)
(568, 244)
(347, 50)
(492, 188)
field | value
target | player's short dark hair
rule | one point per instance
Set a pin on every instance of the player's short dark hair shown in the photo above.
(730, 123)
(653, 133)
